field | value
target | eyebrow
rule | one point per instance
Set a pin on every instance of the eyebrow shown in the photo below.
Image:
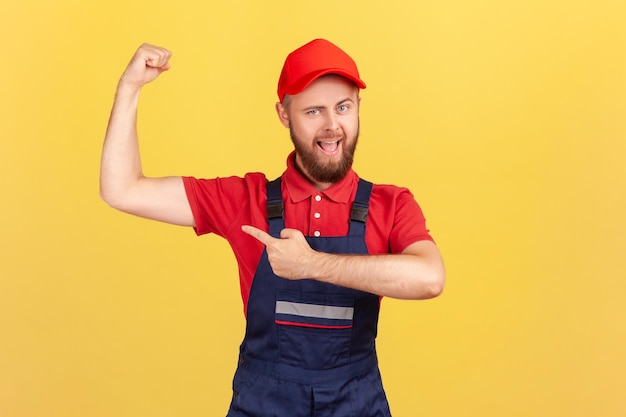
(340, 102)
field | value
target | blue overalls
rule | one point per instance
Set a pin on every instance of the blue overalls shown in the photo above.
(309, 348)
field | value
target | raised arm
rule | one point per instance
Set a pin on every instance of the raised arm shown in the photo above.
(122, 183)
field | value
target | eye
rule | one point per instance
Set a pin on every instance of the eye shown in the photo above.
(342, 108)
(313, 112)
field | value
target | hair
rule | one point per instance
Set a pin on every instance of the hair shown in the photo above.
(287, 102)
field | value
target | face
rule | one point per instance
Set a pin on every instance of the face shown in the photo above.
(323, 122)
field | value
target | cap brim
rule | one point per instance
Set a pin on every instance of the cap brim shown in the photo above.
(307, 79)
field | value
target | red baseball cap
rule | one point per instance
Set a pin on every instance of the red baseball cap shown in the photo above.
(311, 61)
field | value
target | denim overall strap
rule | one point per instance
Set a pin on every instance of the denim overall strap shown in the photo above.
(360, 207)
(275, 208)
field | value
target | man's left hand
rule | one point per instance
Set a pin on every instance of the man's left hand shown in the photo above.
(289, 256)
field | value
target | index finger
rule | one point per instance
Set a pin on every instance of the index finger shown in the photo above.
(259, 234)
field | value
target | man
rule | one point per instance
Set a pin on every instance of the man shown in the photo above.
(317, 248)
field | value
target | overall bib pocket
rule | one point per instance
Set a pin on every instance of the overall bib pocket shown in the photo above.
(314, 330)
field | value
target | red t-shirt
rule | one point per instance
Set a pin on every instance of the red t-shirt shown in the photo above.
(223, 205)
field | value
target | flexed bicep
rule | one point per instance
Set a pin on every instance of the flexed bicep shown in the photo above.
(122, 183)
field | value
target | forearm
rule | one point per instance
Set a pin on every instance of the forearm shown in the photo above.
(416, 273)
(120, 167)
(403, 276)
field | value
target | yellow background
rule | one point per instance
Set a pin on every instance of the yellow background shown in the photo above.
(505, 118)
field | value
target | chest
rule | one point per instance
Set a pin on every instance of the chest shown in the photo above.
(318, 216)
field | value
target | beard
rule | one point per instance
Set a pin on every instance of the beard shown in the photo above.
(329, 171)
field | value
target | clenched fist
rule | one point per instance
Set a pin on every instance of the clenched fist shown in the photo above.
(146, 65)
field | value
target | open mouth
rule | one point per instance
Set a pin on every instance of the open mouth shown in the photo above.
(329, 147)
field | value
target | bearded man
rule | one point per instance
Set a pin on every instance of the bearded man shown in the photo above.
(317, 247)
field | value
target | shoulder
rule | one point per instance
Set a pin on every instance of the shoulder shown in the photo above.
(389, 189)
(388, 195)
(396, 215)
(394, 202)
(232, 184)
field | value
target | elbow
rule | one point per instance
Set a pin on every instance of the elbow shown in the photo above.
(120, 194)
(437, 281)
(109, 196)
(113, 197)
(429, 287)
(426, 275)
(433, 280)
(434, 288)
(105, 195)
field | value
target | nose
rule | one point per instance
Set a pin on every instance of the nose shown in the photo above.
(331, 122)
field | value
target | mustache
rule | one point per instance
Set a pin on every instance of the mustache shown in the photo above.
(330, 136)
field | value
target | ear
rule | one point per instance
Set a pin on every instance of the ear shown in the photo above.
(282, 113)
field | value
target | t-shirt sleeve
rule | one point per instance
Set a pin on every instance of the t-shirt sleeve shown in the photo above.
(409, 223)
(218, 204)
(395, 220)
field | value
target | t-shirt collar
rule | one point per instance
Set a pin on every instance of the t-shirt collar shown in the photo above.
(299, 188)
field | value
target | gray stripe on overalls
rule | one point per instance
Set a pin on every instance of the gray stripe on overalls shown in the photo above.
(314, 310)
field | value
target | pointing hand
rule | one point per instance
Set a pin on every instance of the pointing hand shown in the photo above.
(289, 256)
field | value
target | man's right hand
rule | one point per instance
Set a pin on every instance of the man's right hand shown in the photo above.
(146, 65)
